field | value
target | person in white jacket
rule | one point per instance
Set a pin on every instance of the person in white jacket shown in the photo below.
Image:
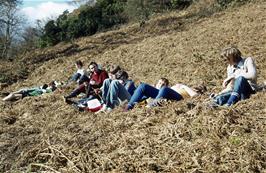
(241, 79)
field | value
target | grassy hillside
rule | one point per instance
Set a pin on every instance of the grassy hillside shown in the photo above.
(43, 133)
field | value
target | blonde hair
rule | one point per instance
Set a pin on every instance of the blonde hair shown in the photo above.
(231, 52)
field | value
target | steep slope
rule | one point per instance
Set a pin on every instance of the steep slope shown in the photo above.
(42, 133)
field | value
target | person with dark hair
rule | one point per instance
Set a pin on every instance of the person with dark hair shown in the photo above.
(35, 91)
(241, 79)
(162, 91)
(91, 84)
(116, 90)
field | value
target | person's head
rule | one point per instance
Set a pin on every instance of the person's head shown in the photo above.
(79, 64)
(232, 55)
(162, 82)
(93, 67)
(112, 70)
(121, 75)
(52, 85)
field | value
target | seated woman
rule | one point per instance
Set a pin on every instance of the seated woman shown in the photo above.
(36, 91)
(162, 91)
(241, 79)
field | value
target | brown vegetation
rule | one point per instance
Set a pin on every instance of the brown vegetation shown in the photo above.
(43, 133)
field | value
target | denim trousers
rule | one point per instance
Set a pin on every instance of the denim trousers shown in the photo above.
(145, 90)
(241, 90)
(130, 86)
(113, 92)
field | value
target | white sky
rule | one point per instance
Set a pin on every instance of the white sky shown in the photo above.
(42, 10)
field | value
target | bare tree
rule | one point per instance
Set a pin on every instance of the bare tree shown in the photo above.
(10, 22)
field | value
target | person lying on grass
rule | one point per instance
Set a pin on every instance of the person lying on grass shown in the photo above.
(162, 91)
(35, 91)
(241, 79)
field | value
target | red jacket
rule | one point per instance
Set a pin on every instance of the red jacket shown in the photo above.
(99, 78)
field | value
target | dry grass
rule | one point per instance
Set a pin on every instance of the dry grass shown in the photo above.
(44, 134)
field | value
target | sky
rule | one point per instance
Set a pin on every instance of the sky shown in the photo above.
(42, 10)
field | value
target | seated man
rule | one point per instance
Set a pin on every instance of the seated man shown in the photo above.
(35, 91)
(91, 84)
(116, 90)
(162, 91)
(241, 79)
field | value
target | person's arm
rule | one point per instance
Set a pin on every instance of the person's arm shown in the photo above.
(250, 73)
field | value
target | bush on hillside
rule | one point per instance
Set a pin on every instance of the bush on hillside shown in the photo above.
(103, 15)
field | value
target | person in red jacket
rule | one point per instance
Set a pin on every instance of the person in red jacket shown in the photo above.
(91, 84)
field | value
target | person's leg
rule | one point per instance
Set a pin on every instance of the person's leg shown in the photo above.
(142, 90)
(75, 77)
(130, 87)
(169, 94)
(77, 91)
(165, 93)
(222, 99)
(12, 96)
(242, 90)
(105, 90)
(82, 79)
(117, 93)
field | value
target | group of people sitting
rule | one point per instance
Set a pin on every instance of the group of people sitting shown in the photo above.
(107, 89)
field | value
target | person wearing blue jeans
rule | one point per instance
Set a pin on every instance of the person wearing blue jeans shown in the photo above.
(113, 93)
(145, 90)
(241, 76)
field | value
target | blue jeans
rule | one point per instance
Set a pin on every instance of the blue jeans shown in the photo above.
(145, 90)
(113, 92)
(242, 90)
(75, 77)
(130, 86)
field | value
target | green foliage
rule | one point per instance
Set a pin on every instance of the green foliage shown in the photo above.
(52, 33)
(104, 14)
(139, 9)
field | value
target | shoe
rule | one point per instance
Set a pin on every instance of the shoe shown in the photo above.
(81, 109)
(156, 102)
(67, 100)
